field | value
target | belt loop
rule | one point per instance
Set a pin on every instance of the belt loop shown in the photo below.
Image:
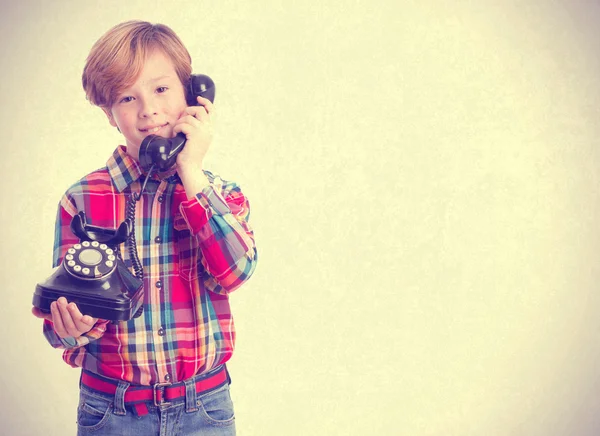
(120, 398)
(190, 395)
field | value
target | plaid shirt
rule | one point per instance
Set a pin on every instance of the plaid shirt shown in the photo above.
(194, 253)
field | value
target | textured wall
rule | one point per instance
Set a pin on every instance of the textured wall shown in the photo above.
(424, 184)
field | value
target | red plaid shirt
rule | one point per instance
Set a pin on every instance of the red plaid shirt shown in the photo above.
(194, 253)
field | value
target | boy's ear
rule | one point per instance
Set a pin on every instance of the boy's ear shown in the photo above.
(111, 120)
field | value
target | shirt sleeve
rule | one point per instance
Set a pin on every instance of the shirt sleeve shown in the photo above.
(63, 239)
(218, 217)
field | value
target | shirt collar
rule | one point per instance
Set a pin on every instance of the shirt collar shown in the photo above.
(124, 170)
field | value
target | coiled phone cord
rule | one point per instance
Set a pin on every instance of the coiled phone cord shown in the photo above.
(131, 242)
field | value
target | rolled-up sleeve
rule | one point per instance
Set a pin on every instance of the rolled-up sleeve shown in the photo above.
(218, 217)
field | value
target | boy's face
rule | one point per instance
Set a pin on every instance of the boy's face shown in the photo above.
(151, 105)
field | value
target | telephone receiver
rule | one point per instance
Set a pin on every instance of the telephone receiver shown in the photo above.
(162, 152)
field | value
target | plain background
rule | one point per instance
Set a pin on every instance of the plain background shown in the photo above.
(424, 184)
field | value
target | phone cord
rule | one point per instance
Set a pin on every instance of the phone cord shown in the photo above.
(130, 216)
(131, 244)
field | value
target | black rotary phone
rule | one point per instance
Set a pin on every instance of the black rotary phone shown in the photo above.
(92, 274)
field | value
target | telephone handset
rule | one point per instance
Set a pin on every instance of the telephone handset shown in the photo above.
(162, 152)
(92, 274)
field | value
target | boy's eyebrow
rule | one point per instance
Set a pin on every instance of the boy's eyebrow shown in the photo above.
(156, 79)
(152, 80)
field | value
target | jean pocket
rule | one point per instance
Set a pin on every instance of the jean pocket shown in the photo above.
(187, 250)
(93, 412)
(217, 407)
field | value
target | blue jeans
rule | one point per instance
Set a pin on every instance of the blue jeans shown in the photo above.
(209, 414)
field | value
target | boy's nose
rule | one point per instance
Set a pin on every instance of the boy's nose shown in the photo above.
(148, 108)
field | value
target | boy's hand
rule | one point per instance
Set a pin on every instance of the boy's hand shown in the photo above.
(197, 126)
(67, 319)
(195, 123)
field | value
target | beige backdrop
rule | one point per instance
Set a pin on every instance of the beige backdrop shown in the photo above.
(424, 184)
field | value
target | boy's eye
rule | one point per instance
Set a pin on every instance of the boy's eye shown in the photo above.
(126, 99)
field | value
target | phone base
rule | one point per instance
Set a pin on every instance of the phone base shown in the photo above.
(118, 297)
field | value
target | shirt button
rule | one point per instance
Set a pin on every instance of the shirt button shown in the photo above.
(159, 284)
(161, 331)
(168, 377)
(157, 239)
(161, 198)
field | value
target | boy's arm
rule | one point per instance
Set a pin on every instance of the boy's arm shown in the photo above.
(70, 318)
(218, 217)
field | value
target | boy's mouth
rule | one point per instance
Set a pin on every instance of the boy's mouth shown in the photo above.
(152, 130)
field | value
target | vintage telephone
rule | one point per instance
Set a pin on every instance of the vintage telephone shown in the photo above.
(92, 274)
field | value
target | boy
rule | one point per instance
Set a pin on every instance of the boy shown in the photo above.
(164, 371)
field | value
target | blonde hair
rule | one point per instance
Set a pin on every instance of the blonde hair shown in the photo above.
(117, 58)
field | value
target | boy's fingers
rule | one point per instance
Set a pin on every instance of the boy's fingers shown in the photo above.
(88, 320)
(182, 128)
(201, 113)
(59, 328)
(191, 118)
(39, 314)
(83, 323)
(67, 319)
(208, 105)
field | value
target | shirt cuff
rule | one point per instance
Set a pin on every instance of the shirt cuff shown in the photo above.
(69, 342)
(197, 211)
